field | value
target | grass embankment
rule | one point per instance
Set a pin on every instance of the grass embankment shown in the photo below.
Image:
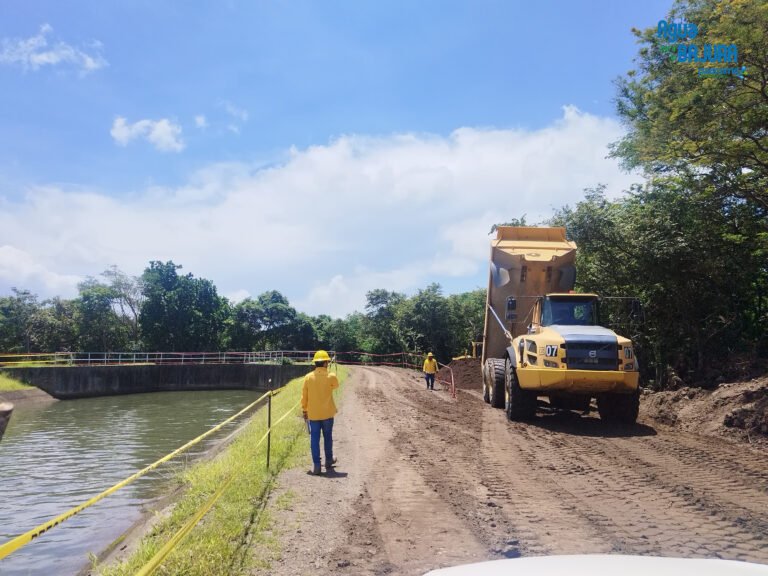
(8, 384)
(221, 543)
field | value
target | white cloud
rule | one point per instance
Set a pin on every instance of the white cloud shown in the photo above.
(330, 222)
(19, 269)
(234, 111)
(201, 121)
(36, 52)
(238, 296)
(163, 134)
(344, 293)
(238, 116)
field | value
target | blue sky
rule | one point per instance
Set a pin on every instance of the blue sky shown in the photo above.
(321, 149)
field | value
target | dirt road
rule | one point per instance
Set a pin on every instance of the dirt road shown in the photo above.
(426, 481)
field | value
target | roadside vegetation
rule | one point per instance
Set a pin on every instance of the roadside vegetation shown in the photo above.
(8, 384)
(221, 541)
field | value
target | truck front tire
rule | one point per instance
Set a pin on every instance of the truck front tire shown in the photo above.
(520, 404)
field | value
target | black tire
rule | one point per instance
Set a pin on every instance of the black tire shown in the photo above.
(496, 382)
(520, 404)
(486, 385)
(619, 408)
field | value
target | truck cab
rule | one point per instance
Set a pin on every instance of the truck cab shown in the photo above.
(564, 334)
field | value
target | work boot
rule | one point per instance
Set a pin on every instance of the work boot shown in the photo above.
(316, 471)
(332, 464)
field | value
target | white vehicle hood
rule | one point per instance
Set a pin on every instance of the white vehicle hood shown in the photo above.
(605, 564)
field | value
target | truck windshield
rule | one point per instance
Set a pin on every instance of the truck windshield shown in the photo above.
(569, 312)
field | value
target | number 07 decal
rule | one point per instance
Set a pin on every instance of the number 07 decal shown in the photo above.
(551, 350)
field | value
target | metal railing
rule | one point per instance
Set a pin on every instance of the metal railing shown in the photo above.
(402, 359)
(135, 358)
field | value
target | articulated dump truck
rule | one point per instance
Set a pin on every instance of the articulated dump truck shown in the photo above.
(542, 339)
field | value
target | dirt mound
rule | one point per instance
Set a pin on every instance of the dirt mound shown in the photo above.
(738, 410)
(466, 374)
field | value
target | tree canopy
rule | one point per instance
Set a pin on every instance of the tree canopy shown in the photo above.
(180, 313)
(709, 129)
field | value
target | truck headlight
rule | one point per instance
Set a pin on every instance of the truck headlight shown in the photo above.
(629, 366)
(550, 364)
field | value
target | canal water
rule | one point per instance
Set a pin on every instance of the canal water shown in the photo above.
(56, 455)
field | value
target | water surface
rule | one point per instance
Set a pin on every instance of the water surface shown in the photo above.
(57, 455)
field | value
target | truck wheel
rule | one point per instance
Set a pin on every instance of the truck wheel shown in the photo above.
(619, 408)
(486, 385)
(496, 382)
(520, 404)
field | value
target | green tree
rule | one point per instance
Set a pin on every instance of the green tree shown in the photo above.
(466, 313)
(424, 322)
(245, 325)
(55, 326)
(17, 321)
(99, 326)
(269, 322)
(381, 331)
(128, 297)
(322, 327)
(300, 334)
(275, 319)
(181, 313)
(345, 335)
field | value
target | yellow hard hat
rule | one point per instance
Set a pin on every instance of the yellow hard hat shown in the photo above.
(321, 356)
(429, 355)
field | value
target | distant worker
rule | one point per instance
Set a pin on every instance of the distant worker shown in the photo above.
(319, 409)
(430, 369)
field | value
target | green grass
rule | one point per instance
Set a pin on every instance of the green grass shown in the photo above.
(221, 543)
(8, 384)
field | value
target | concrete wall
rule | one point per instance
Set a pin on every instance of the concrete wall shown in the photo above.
(84, 381)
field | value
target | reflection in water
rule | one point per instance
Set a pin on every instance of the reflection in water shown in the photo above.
(57, 455)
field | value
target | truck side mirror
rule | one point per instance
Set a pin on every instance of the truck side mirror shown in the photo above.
(511, 307)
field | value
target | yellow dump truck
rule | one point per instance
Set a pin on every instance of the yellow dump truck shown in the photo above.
(542, 339)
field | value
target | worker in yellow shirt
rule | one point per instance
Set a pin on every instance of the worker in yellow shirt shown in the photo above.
(319, 409)
(430, 369)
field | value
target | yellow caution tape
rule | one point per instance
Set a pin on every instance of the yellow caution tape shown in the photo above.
(158, 558)
(154, 563)
(24, 539)
(291, 409)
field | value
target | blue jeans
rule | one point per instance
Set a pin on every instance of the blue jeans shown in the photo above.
(430, 380)
(326, 426)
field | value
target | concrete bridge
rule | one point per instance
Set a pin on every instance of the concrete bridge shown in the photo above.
(66, 382)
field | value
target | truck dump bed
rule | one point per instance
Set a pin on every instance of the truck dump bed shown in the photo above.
(525, 263)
